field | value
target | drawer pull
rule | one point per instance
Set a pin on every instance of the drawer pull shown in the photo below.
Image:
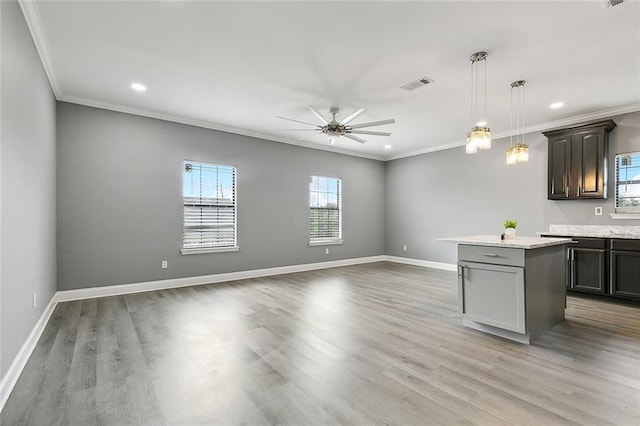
(488, 254)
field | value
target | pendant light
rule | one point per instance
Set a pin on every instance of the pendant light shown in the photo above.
(519, 152)
(480, 135)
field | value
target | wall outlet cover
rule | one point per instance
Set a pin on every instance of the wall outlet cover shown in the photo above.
(164, 264)
(599, 211)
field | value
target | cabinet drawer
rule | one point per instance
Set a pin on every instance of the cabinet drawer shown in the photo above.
(593, 243)
(632, 245)
(492, 255)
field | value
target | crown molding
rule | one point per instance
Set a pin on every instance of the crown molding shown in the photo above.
(549, 125)
(207, 125)
(34, 23)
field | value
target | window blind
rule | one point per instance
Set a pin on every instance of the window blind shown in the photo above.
(325, 201)
(209, 198)
(628, 181)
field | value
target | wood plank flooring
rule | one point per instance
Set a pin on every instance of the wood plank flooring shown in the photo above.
(369, 344)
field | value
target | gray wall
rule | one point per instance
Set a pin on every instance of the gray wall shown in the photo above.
(28, 188)
(120, 211)
(449, 193)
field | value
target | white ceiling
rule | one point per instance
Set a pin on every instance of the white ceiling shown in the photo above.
(236, 65)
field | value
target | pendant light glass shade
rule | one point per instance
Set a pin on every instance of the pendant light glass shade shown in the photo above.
(512, 156)
(480, 135)
(523, 152)
(519, 152)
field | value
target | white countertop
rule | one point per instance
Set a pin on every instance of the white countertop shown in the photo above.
(595, 231)
(518, 242)
(593, 235)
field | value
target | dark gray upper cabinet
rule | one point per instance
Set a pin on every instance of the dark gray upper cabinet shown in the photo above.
(578, 161)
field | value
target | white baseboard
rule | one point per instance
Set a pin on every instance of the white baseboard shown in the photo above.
(9, 380)
(11, 377)
(115, 290)
(425, 263)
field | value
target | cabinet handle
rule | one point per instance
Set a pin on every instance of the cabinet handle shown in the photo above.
(488, 254)
(566, 192)
(460, 270)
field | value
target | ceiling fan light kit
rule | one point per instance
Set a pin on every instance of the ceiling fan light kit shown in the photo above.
(480, 135)
(334, 129)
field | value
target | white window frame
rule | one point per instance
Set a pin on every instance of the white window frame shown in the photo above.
(212, 248)
(332, 240)
(624, 212)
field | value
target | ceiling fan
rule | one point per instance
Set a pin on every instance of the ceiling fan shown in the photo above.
(334, 128)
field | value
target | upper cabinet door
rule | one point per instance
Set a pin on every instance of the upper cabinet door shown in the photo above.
(589, 164)
(578, 161)
(559, 166)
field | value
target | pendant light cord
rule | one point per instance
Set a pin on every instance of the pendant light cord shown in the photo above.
(523, 92)
(484, 118)
(511, 121)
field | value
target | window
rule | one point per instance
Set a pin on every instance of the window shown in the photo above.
(209, 198)
(325, 201)
(628, 183)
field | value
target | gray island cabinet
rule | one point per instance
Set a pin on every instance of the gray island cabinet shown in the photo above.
(514, 288)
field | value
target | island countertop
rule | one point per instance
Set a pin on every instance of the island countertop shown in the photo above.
(518, 242)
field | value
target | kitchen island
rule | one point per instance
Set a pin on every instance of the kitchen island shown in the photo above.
(512, 288)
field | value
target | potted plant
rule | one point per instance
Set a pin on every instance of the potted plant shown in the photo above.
(510, 229)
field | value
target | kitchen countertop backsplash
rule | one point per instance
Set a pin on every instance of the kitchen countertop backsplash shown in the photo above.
(596, 231)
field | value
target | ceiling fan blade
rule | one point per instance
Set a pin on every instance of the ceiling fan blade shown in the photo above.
(318, 115)
(352, 116)
(367, 132)
(308, 137)
(373, 123)
(355, 138)
(300, 130)
(297, 121)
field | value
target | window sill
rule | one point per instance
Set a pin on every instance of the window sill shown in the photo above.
(185, 252)
(325, 243)
(625, 215)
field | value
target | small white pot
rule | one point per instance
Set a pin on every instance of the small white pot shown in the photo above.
(510, 233)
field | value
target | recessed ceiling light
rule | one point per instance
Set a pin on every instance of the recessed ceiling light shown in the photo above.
(387, 147)
(138, 87)
(556, 105)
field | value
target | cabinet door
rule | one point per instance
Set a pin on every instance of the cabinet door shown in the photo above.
(625, 273)
(588, 165)
(558, 169)
(492, 295)
(587, 271)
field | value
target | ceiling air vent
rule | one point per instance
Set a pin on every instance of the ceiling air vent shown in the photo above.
(418, 83)
(610, 3)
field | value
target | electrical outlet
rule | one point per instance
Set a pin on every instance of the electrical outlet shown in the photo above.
(34, 300)
(404, 248)
(165, 264)
(326, 251)
(599, 211)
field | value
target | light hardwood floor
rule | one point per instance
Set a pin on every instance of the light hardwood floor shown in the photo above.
(370, 344)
